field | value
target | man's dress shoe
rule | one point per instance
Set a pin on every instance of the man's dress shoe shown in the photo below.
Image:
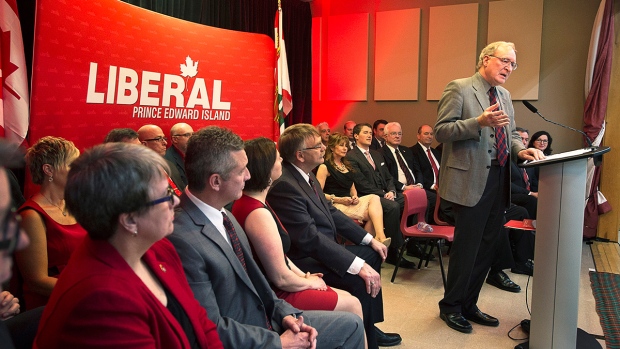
(387, 339)
(481, 318)
(392, 258)
(503, 282)
(456, 321)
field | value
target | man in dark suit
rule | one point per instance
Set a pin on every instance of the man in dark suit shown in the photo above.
(377, 180)
(520, 193)
(179, 135)
(348, 131)
(153, 137)
(218, 262)
(314, 224)
(424, 154)
(475, 121)
(378, 133)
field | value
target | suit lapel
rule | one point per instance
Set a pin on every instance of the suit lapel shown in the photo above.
(209, 230)
(305, 187)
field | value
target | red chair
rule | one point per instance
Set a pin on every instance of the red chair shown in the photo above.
(415, 203)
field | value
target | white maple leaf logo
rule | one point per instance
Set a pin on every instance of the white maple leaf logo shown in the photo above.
(189, 69)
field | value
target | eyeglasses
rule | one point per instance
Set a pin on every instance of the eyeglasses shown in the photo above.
(395, 133)
(541, 141)
(160, 139)
(9, 241)
(506, 62)
(318, 146)
(168, 197)
(188, 134)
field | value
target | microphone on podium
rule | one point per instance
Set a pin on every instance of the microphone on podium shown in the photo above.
(533, 109)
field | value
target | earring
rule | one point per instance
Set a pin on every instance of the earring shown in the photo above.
(51, 178)
(135, 233)
(269, 182)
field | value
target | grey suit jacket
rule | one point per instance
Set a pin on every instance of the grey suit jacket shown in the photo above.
(465, 160)
(239, 303)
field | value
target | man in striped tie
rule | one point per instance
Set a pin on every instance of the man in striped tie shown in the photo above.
(475, 121)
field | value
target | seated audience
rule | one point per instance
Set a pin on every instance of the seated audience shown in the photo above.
(218, 261)
(348, 131)
(376, 179)
(270, 241)
(314, 224)
(179, 135)
(52, 230)
(540, 140)
(153, 137)
(378, 134)
(336, 177)
(11, 238)
(324, 131)
(521, 191)
(124, 287)
(124, 135)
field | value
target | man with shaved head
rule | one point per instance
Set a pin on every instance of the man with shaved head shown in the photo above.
(153, 137)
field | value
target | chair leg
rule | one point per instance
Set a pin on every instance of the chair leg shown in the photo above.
(400, 257)
(443, 272)
(429, 255)
(423, 250)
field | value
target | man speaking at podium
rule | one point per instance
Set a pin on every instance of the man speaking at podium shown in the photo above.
(475, 121)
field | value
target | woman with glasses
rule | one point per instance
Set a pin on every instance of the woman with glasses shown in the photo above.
(337, 180)
(540, 140)
(270, 241)
(53, 231)
(124, 286)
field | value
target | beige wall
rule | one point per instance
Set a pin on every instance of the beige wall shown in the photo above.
(567, 25)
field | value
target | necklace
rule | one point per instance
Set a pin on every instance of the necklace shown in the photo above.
(64, 212)
(341, 167)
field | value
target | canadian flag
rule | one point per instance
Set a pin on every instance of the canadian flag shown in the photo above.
(14, 109)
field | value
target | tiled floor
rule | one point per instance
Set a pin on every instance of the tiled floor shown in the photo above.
(411, 309)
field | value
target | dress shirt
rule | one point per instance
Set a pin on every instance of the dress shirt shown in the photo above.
(401, 174)
(214, 215)
(358, 263)
(425, 148)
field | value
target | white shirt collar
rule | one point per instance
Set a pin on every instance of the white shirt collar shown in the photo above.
(214, 215)
(303, 174)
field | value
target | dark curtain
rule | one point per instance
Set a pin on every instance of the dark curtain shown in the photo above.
(257, 16)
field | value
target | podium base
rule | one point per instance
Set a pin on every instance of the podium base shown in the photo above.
(584, 341)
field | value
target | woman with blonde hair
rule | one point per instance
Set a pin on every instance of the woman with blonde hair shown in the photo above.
(337, 180)
(53, 231)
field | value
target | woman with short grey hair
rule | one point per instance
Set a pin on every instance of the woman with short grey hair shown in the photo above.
(125, 285)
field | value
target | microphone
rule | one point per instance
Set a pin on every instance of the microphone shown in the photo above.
(533, 109)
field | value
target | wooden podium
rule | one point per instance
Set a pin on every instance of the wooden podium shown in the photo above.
(557, 255)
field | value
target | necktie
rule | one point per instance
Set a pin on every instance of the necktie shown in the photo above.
(526, 179)
(234, 240)
(403, 166)
(433, 164)
(500, 135)
(369, 158)
(236, 245)
(311, 181)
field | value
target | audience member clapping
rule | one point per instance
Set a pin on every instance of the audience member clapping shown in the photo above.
(124, 286)
(52, 230)
(336, 177)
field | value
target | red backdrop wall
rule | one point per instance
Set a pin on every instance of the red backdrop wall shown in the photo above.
(104, 64)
